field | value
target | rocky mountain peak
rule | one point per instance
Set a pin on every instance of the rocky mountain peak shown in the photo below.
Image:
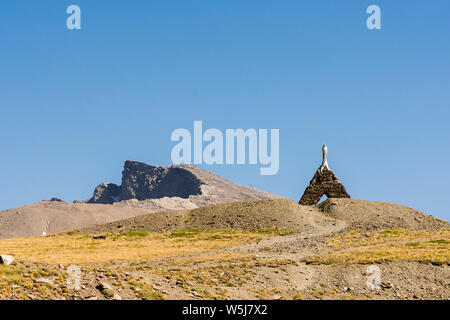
(142, 181)
(175, 187)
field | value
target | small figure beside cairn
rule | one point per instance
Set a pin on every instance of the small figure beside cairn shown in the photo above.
(324, 182)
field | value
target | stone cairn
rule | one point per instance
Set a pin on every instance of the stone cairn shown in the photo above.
(324, 182)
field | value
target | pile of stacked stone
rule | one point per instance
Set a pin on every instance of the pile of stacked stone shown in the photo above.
(324, 182)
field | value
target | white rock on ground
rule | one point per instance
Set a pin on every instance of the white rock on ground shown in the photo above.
(45, 281)
(5, 259)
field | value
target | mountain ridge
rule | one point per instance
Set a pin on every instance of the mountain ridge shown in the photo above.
(182, 186)
(147, 189)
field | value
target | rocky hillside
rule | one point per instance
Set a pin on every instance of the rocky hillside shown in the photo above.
(172, 187)
(144, 189)
(280, 214)
(372, 215)
(56, 216)
(265, 249)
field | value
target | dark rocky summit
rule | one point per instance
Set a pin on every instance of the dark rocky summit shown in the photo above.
(323, 183)
(142, 182)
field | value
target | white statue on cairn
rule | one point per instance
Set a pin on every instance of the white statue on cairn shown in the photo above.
(324, 159)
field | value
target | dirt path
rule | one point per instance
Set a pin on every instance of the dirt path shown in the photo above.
(285, 252)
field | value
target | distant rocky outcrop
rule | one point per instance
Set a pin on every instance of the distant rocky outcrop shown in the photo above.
(141, 181)
(106, 193)
(171, 187)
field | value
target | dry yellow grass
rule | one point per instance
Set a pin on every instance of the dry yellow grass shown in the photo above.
(425, 252)
(388, 245)
(67, 249)
(223, 257)
(357, 239)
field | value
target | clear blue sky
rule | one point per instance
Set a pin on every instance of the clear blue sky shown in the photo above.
(75, 105)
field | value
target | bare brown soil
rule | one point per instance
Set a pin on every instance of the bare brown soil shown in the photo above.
(52, 217)
(282, 214)
(372, 215)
